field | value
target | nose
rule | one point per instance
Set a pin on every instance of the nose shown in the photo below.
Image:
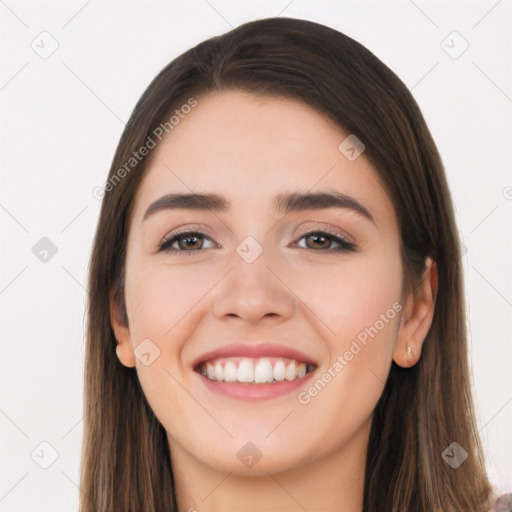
(253, 292)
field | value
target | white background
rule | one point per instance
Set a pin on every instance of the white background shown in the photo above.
(61, 119)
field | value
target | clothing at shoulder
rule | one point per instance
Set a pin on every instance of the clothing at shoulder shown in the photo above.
(503, 503)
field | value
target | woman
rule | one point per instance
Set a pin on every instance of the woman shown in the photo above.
(276, 309)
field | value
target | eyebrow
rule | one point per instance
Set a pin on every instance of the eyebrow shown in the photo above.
(283, 203)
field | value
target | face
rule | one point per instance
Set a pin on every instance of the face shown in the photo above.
(248, 288)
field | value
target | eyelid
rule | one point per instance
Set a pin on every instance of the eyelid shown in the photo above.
(343, 242)
(327, 228)
(185, 228)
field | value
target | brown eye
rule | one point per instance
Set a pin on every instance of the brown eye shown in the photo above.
(320, 241)
(188, 241)
(191, 241)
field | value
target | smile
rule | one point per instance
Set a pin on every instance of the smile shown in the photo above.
(262, 370)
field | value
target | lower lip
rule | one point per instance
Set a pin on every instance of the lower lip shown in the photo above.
(248, 391)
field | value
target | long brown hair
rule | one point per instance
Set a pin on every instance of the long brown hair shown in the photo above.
(125, 455)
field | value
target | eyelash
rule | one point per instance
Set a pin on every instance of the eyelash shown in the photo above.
(345, 245)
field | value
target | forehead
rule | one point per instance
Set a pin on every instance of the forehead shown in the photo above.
(250, 148)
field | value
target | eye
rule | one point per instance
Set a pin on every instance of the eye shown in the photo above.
(191, 241)
(322, 241)
(187, 241)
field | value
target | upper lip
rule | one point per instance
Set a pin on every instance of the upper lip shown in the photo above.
(255, 351)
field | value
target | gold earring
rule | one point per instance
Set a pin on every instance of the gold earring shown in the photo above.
(409, 351)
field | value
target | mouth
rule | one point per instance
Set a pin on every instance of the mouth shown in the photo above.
(255, 371)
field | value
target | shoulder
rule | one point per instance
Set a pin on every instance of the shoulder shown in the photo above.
(503, 503)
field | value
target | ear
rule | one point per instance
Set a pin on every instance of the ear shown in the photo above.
(416, 318)
(124, 349)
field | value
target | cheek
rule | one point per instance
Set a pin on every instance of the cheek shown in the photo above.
(357, 306)
(356, 294)
(164, 305)
(164, 298)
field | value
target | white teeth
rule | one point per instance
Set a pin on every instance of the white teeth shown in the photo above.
(254, 370)
(289, 374)
(279, 370)
(219, 372)
(263, 371)
(245, 372)
(230, 373)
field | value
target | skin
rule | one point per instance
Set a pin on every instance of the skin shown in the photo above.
(250, 148)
